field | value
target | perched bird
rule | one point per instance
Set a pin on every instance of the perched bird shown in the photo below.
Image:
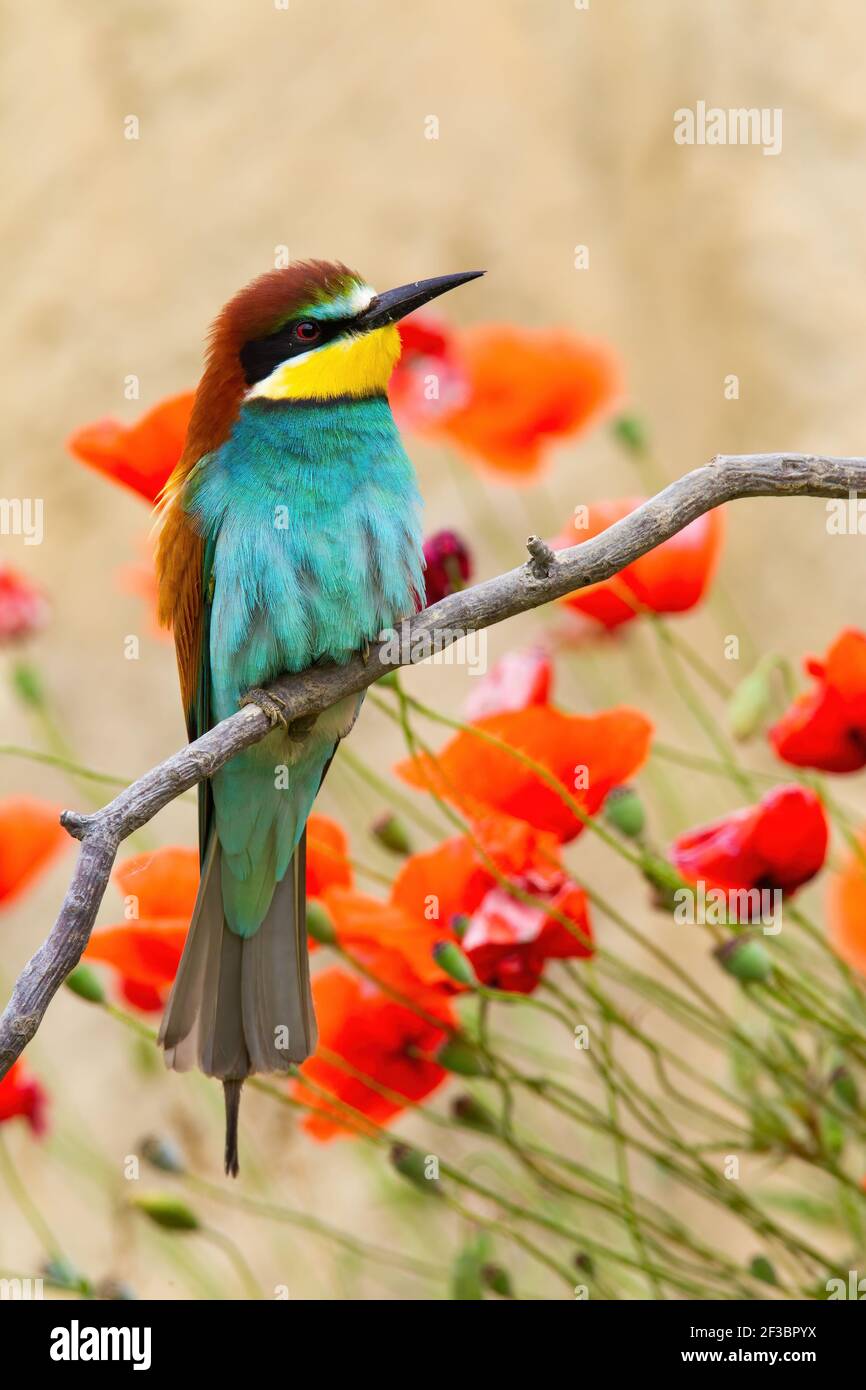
(289, 534)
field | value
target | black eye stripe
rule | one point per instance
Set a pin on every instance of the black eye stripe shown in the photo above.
(260, 356)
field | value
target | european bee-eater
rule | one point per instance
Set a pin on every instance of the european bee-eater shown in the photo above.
(289, 535)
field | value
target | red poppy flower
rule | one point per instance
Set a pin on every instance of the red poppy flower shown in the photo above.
(376, 1037)
(448, 565)
(160, 888)
(430, 379)
(671, 578)
(23, 607)
(826, 727)
(586, 754)
(508, 940)
(21, 1095)
(518, 679)
(779, 843)
(141, 456)
(397, 949)
(30, 836)
(527, 389)
(846, 916)
(328, 864)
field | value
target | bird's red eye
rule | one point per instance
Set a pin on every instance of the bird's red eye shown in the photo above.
(307, 332)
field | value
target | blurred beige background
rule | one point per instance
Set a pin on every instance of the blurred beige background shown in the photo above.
(306, 127)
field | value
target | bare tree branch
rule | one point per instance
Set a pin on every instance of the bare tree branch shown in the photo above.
(544, 577)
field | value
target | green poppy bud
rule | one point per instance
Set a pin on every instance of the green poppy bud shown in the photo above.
(466, 1279)
(498, 1279)
(631, 432)
(162, 1154)
(167, 1211)
(760, 1268)
(27, 684)
(319, 924)
(624, 810)
(422, 1170)
(392, 833)
(471, 1112)
(59, 1272)
(845, 1087)
(664, 879)
(749, 705)
(85, 982)
(458, 1055)
(457, 966)
(746, 959)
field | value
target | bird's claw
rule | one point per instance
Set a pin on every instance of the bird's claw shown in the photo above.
(271, 705)
(365, 652)
(300, 727)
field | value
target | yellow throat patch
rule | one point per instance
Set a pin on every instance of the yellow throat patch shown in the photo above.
(349, 366)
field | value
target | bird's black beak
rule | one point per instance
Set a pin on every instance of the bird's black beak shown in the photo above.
(394, 305)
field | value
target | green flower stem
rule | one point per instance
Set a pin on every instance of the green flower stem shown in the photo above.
(394, 1259)
(693, 658)
(233, 1251)
(658, 1052)
(707, 722)
(391, 795)
(26, 1205)
(523, 1149)
(367, 1129)
(621, 1152)
(705, 1180)
(520, 1147)
(34, 755)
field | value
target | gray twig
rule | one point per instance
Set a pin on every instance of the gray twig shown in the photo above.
(543, 578)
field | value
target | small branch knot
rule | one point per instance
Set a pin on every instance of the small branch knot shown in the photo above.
(542, 558)
(75, 823)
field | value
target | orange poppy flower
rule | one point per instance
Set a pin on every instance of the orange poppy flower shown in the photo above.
(430, 380)
(456, 890)
(30, 836)
(671, 578)
(21, 1095)
(142, 455)
(587, 755)
(146, 950)
(376, 1037)
(846, 914)
(826, 727)
(527, 389)
(395, 947)
(328, 864)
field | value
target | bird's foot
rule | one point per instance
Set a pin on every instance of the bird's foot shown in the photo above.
(270, 705)
(300, 727)
(365, 652)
